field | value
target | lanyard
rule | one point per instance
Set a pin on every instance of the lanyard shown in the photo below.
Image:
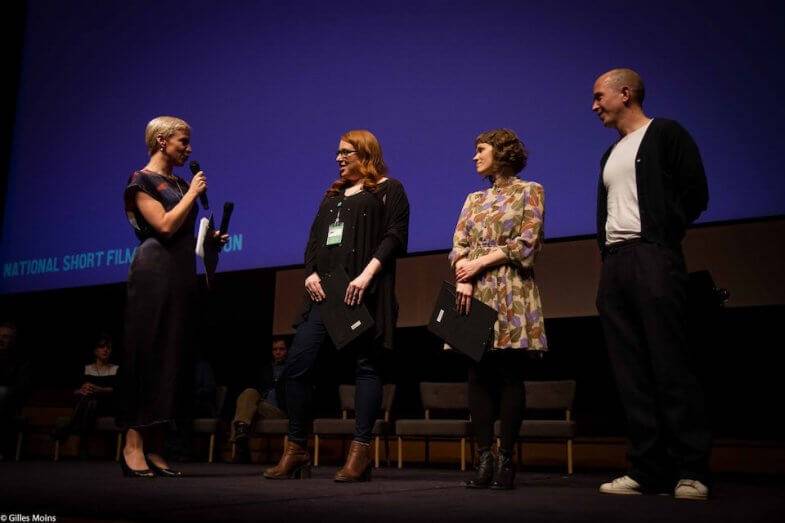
(338, 215)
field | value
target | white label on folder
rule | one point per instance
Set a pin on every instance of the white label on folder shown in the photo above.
(356, 324)
(439, 317)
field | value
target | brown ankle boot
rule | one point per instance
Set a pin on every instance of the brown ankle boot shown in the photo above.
(294, 464)
(358, 464)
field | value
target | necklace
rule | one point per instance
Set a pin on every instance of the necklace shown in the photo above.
(177, 183)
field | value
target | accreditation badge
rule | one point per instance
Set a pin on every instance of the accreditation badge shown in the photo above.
(335, 234)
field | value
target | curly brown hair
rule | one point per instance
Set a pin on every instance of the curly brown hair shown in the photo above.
(371, 166)
(509, 153)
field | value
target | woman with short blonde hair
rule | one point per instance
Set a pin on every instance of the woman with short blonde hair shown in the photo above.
(161, 208)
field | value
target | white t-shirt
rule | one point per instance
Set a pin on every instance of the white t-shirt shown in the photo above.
(624, 216)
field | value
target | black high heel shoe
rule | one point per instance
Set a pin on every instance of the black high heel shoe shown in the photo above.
(165, 472)
(128, 472)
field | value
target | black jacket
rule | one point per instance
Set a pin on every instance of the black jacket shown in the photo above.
(671, 182)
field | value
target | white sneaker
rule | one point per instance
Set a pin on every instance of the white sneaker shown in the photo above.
(624, 485)
(691, 489)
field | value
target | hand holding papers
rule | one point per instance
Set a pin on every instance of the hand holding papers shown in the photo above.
(466, 333)
(208, 246)
(344, 323)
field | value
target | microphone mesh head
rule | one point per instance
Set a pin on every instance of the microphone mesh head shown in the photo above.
(194, 165)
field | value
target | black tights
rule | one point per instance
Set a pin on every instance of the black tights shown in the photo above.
(496, 391)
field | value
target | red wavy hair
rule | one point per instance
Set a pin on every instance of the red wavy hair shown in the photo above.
(370, 167)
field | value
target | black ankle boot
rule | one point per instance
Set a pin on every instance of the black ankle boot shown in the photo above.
(484, 470)
(503, 472)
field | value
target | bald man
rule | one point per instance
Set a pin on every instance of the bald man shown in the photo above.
(652, 186)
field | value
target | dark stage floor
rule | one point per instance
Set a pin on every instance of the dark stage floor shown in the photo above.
(94, 491)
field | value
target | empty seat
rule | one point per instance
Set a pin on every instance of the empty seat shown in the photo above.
(544, 397)
(440, 397)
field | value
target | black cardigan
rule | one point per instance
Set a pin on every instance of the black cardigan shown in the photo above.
(383, 236)
(671, 182)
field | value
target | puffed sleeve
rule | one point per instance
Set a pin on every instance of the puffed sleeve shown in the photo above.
(460, 239)
(522, 249)
(395, 239)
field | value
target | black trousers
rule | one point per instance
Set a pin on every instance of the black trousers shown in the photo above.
(308, 339)
(642, 301)
(496, 391)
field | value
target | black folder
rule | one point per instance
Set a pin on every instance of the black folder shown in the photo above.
(468, 334)
(344, 323)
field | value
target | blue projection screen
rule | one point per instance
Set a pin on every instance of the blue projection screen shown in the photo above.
(268, 88)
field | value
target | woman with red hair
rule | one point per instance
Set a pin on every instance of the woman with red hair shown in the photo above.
(362, 226)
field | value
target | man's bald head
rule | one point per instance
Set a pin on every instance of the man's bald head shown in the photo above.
(620, 78)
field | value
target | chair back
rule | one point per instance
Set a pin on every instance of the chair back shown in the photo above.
(346, 395)
(388, 397)
(220, 399)
(444, 396)
(550, 395)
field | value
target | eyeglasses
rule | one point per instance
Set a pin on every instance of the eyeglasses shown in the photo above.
(344, 153)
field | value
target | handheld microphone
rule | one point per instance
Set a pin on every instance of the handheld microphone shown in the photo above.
(195, 168)
(227, 214)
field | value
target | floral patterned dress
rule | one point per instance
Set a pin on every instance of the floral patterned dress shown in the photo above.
(509, 216)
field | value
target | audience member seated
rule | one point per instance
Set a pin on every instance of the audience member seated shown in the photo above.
(264, 400)
(95, 397)
(15, 384)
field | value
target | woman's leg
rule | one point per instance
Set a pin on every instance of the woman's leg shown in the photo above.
(295, 461)
(156, 439)
(483, 396)
(513, 402)
(74, 424)
(483, 401)
(367, 403)
(509, 370)
(507, 367)
(84, 422)
(367, 393)
(300, 361)
(133, 452)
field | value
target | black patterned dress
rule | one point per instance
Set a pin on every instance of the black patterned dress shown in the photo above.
(155, 374)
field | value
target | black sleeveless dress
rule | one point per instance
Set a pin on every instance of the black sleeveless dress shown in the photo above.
(154, 374)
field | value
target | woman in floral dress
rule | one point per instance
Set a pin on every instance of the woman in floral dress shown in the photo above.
(496, 241)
